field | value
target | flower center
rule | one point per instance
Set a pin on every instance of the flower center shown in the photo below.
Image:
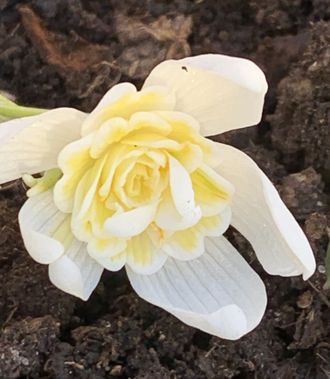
(141, 182)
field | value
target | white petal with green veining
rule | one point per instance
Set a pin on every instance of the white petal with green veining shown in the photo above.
(48, 239)
(218, 292)
(40, 221)
(262, 217)
(75, 272)
(30, 145)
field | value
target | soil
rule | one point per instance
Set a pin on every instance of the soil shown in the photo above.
(68, 53)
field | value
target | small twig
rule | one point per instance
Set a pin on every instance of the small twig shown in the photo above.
(322, 296)
(326, 373)
(323, 359)
(9, 317)
(74, 364)
(215, 346)
(8, 187)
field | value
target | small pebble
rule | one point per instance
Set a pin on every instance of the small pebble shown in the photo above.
(116, 370)
(305, 300)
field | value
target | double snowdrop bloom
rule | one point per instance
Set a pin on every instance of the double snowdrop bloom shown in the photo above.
(136, 184)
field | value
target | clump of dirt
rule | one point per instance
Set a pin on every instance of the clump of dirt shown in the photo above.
(303, 104)
(58, 53)
(21, 358)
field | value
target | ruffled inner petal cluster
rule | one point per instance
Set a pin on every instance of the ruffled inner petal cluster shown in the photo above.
(139, 184)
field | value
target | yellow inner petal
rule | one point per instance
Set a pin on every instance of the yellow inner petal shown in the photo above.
(138, 151)
(140, 249)
(212, 191)
(148, 100)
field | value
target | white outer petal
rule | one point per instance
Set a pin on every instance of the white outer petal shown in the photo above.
(221, 92)
(31, 144)
(76, 272)
(71, 269)
(218, 293)
(38, 220)
(261, 216)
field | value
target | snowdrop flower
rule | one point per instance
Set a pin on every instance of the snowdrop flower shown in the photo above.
(136, 184)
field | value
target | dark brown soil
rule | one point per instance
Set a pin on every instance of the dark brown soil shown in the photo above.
(60, 52)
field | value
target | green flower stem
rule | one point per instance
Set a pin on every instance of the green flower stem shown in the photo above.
(10, 110)
(39, 185)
